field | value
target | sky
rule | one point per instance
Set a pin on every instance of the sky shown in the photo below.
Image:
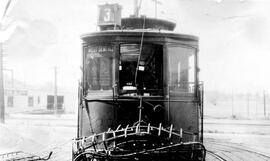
(234, 38)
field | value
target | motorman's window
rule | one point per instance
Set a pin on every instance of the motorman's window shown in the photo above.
(140, 67)
(98, 66)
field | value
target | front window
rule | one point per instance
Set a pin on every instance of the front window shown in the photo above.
(140, 69)
(99, 66)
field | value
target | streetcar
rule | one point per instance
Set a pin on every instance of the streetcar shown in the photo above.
(140, 97)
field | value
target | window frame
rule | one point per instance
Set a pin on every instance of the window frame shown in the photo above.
(193, 91)
(111, 67)
(162, 75)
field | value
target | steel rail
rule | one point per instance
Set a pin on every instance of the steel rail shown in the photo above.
(215, 155)
(15, 156)
(244, 149)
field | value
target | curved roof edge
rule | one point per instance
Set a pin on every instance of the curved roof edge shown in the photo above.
(147, 32)
(144, 22)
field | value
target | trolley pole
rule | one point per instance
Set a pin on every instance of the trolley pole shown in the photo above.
(55, 89)
(136, 12)
(155, 8)
(2, 99)
(156, 3)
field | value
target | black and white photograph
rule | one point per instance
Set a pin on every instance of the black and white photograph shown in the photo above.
(134, 80)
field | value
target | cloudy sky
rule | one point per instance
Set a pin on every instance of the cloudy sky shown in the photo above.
(234, 38)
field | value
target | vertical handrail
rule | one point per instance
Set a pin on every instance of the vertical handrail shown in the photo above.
(168, 114)
(140, 110)
(201, 104)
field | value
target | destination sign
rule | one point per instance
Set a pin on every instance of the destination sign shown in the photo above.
(98, 51)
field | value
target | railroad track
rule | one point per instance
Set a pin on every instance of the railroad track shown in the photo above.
(22, 156)
(217, 150)
(232, 152)
(215, 156)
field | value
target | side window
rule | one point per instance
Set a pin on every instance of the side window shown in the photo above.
(98, 66)
(181, 68)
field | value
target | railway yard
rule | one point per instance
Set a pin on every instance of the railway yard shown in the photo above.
(141, 92)
(36, 136)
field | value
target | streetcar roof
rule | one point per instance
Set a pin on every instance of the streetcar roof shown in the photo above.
(137, 32)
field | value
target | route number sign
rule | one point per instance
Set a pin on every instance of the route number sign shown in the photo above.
(109, 14)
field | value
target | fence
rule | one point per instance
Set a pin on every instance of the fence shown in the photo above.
(248, 105)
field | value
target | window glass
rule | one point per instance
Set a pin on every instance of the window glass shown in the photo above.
(98, 66)
(181, 68)
(141, 73)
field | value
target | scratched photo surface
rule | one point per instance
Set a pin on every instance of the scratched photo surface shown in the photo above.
(41, 60)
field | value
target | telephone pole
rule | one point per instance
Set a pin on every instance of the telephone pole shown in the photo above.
(55, 89)
(232, 105)
(2, 98)
(264, 104)
(248, 105)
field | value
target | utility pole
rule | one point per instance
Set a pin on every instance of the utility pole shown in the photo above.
(55, 89)
(256, 105)
(264, 104)
(12, 78)
(2, 98)
(247, 105)
(232, 106)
